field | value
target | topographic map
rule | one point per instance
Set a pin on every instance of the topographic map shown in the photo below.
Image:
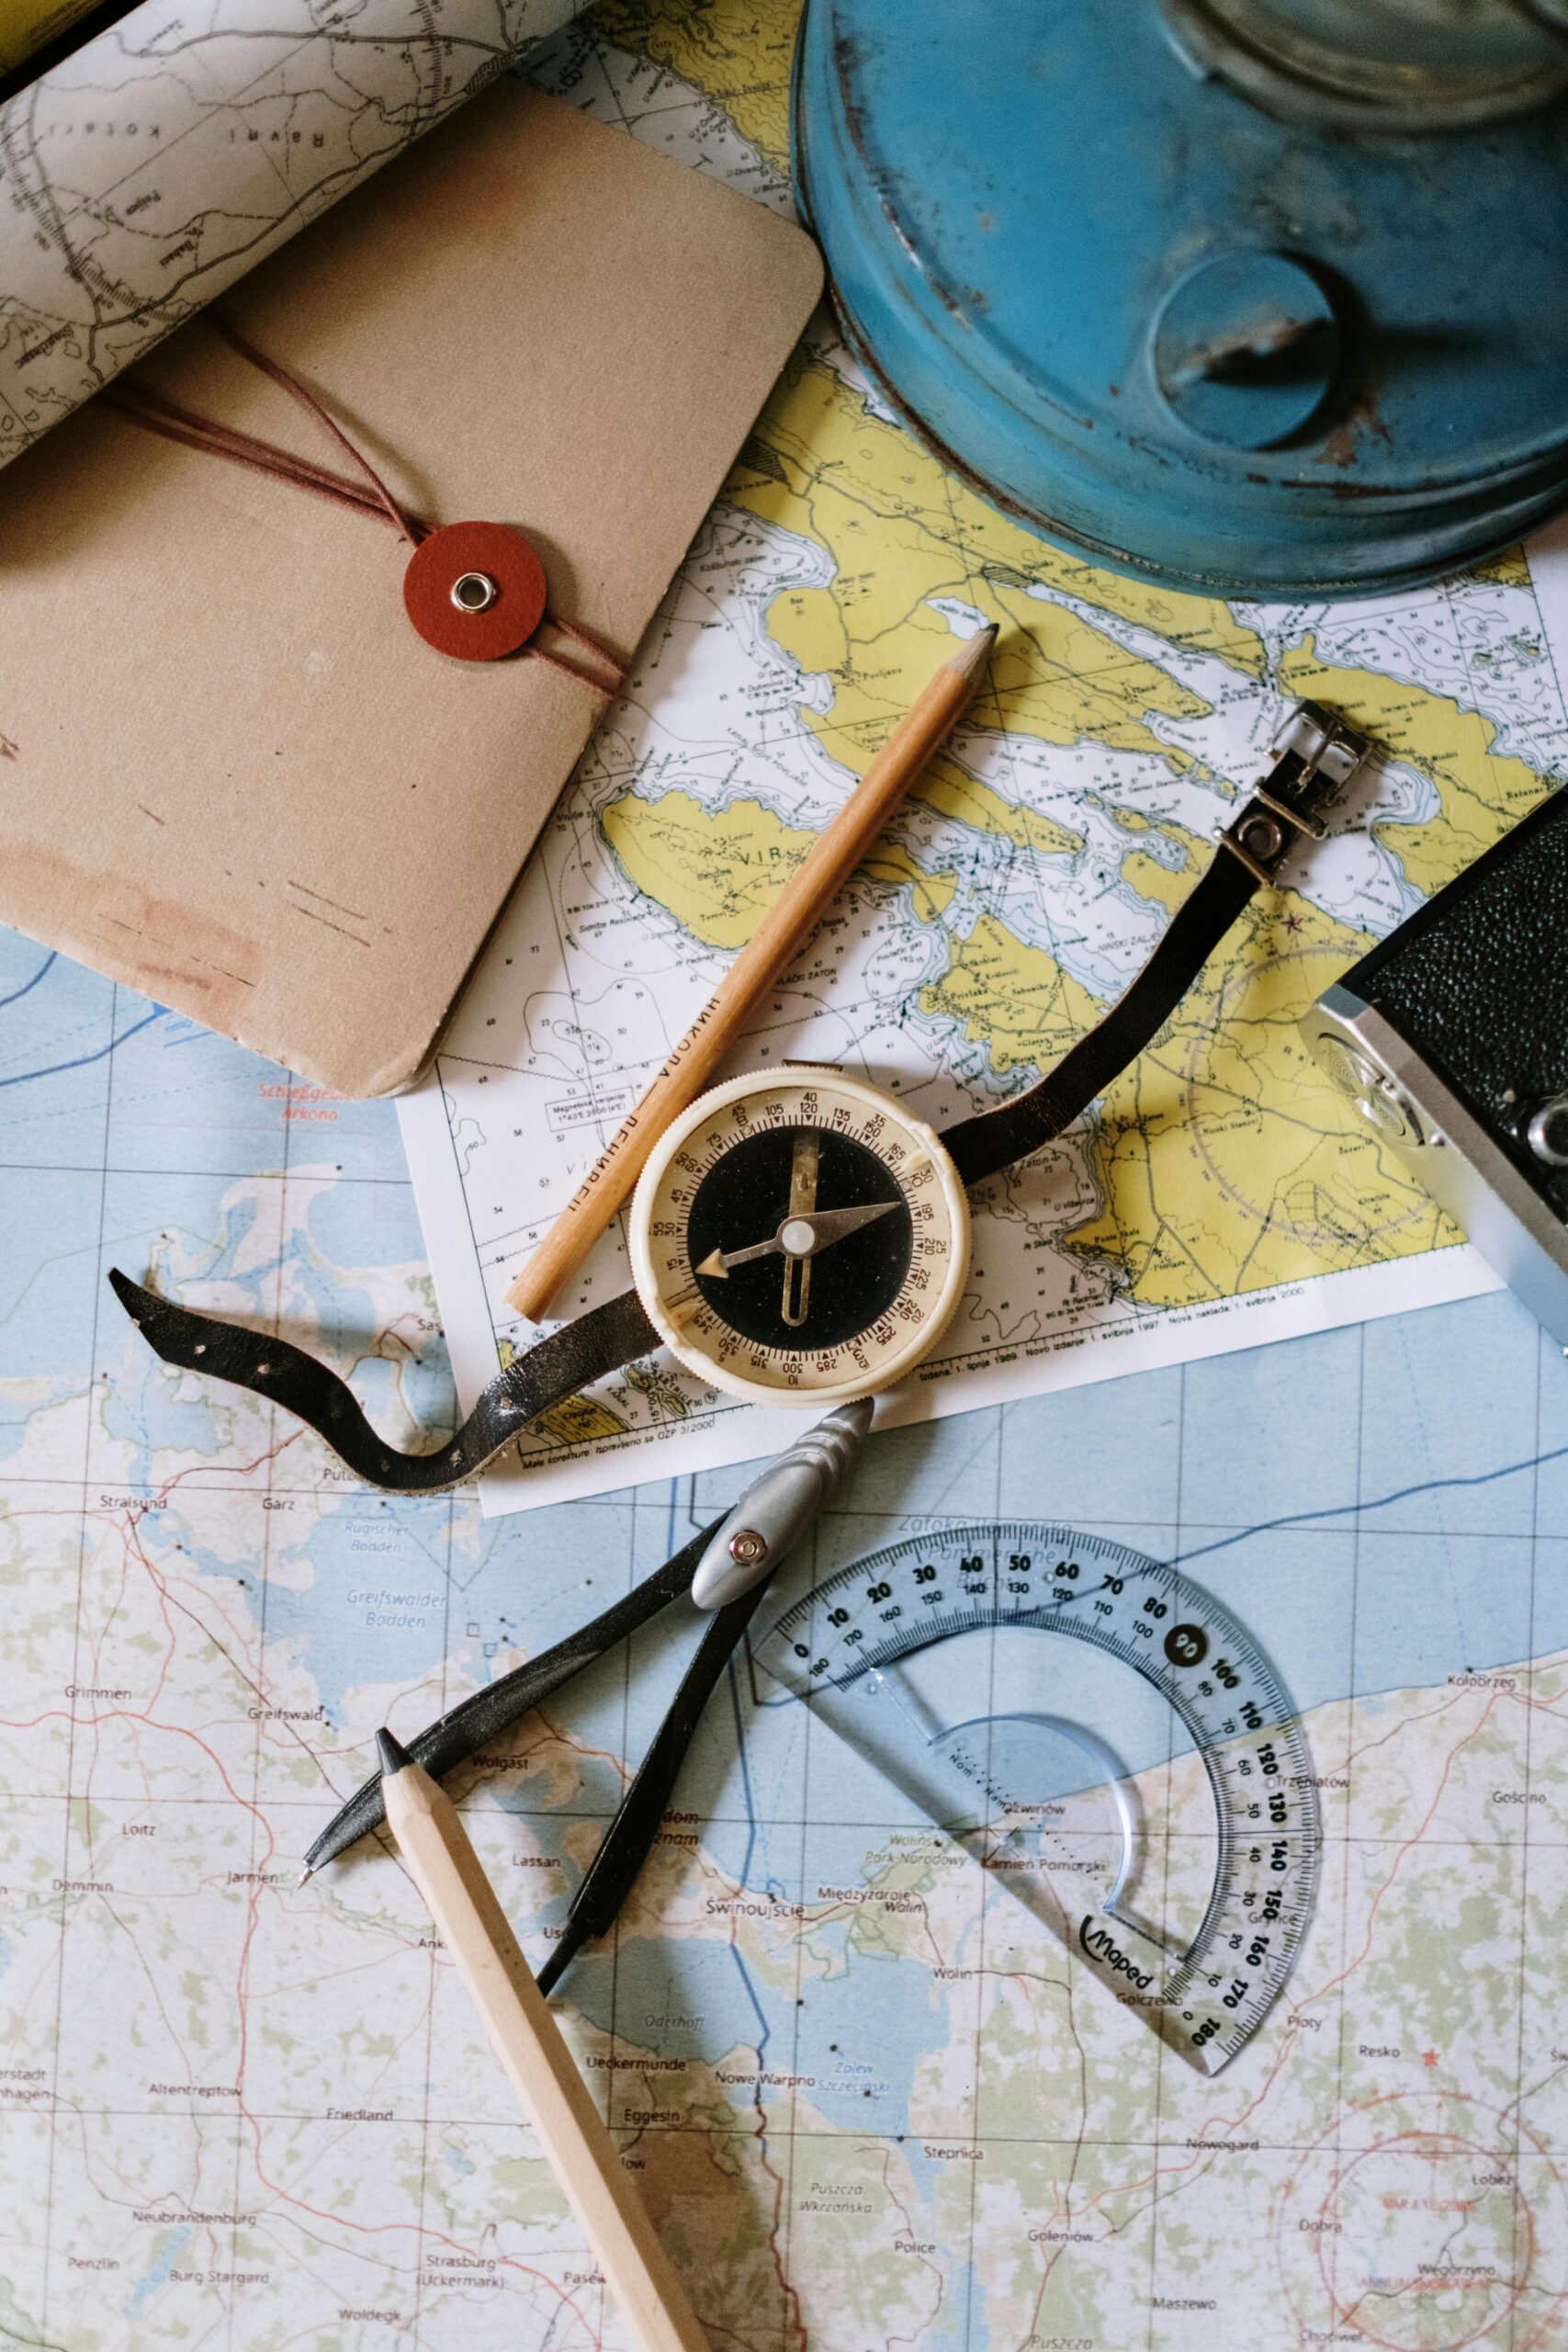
(868, 2112)
(1217, 1196)
(145, 172)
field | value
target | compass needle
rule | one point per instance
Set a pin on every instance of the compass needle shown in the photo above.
(804, 1161)
(798, 1239)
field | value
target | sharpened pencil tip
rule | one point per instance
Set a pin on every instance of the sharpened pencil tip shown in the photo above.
(305, 1873)
(393, 1756)
(975, 651)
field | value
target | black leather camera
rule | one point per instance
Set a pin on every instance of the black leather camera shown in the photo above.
(1452, 1040)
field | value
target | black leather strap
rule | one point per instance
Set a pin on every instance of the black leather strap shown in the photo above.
(993, 1140)
(1252, 849)
(599, 1341)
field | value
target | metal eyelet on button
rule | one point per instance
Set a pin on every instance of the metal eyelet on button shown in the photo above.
(474, 591)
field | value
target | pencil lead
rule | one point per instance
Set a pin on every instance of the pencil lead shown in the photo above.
(971, 656)
(305, 1873)
(392, 1755)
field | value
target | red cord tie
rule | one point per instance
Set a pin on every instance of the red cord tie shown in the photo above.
(475, 591)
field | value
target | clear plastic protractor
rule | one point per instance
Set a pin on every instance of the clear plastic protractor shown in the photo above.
(1102, 1734)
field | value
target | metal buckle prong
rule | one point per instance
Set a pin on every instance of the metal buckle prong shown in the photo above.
(1303, 824)
(1227, 839)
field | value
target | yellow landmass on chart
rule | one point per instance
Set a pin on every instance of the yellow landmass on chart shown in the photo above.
(1483, 791)
(1223, 1159)
(947, 789)
(904, 536)
(1226, 1161)
(580, 1420)
(1166, 885)
(891, 864)
(717, 873)
(1016, 997)
(1509, 569)
(1166, 881)
(737, 53)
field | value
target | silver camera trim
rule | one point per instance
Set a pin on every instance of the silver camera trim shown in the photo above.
(1404, 1103)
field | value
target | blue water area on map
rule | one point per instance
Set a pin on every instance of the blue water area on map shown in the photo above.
(392, 1593)
(144, 1409)
(48, 1294)
(855, 2039)
(1382, 1506)
(91, 1073)
(157, 2275)
(689, 1999)
(378, 1612)
(952, 2328)
(359, 1224)
(862, 2034)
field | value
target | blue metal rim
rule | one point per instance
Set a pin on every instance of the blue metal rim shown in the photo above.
(1199, 516)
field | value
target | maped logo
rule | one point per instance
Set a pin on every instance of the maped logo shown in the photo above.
(1099, 1943)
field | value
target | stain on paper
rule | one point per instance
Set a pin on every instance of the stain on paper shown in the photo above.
(153, 944)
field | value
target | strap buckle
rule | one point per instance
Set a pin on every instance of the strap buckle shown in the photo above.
(1317, 753)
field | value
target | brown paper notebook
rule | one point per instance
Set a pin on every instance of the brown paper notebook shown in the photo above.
(231, 774)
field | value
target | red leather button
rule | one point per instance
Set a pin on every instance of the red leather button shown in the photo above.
(500, 584)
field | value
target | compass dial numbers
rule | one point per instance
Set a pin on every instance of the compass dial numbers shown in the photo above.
(799, 1240)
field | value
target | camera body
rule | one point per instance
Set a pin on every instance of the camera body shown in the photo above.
(1452, 1040)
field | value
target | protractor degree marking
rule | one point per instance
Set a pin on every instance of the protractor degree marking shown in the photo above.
(1215, 1996)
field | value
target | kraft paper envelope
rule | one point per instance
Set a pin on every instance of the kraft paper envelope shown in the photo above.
(231, 775)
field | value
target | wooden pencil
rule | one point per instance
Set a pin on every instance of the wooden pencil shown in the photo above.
(789, 923)
(527, 2040)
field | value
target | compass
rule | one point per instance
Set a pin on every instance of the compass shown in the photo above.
(799, 1238)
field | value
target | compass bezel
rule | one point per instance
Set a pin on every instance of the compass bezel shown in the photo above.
(653, 1281)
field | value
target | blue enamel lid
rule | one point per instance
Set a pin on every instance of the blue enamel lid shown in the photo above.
(1171, 331)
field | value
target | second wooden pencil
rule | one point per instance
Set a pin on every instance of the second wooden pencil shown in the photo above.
(528, 2043)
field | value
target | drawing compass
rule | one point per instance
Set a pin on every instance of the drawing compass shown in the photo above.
(799, 1237)
(1135, 1775)
(719, 1577)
